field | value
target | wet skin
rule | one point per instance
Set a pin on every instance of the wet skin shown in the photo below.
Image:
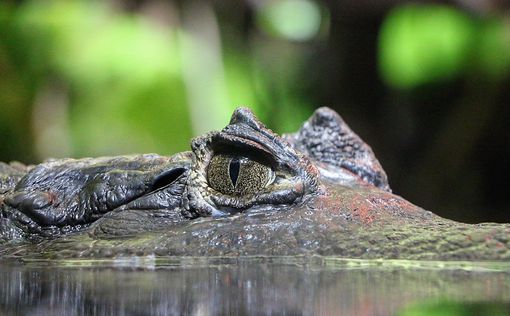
(241, 191)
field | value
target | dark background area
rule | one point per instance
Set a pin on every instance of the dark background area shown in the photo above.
(424, 83)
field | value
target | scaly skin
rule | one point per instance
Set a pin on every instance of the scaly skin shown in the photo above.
(330, 197)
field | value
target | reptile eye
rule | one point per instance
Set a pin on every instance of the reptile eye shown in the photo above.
(238, 175)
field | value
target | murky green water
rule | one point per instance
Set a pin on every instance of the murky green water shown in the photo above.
(253, 286)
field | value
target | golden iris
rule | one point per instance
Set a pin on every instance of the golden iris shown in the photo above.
(238, 175)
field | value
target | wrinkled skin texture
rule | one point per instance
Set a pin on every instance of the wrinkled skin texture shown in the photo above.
(327, 195)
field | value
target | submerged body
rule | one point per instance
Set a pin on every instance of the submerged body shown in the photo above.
(241, 191)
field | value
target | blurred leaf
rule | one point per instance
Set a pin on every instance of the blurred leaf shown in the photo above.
(420, 44)
(240, 81)
(297, 20)
(494, 48)
(204, 74)
(452, 308)
(124, 74)
(125, 83)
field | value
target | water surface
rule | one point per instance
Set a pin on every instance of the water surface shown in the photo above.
(250, 286)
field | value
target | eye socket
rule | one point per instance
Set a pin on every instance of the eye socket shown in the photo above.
(238, 175)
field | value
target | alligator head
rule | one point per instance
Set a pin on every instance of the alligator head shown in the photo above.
(243, 189)
(241, 167)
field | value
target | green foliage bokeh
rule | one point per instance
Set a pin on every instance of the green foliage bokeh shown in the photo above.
(125, 83)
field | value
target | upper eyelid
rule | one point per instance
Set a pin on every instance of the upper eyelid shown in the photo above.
(245, 149)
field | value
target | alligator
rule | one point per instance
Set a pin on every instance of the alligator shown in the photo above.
(241, 191)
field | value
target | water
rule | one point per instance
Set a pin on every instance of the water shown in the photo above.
(252, 286)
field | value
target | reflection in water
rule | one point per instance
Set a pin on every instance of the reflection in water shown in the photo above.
(238, 286)
(459, 308)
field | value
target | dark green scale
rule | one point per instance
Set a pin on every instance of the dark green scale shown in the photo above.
(238, 175)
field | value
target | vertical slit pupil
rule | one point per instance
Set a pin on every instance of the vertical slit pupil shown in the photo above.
(233, 170)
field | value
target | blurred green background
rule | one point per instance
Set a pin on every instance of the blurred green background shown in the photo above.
(425, 84)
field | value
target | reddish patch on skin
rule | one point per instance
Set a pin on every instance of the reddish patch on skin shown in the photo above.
(390, 200)
(356, 204)
(52, 197)
(497, 243)
(361, 208)
(366, 205)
